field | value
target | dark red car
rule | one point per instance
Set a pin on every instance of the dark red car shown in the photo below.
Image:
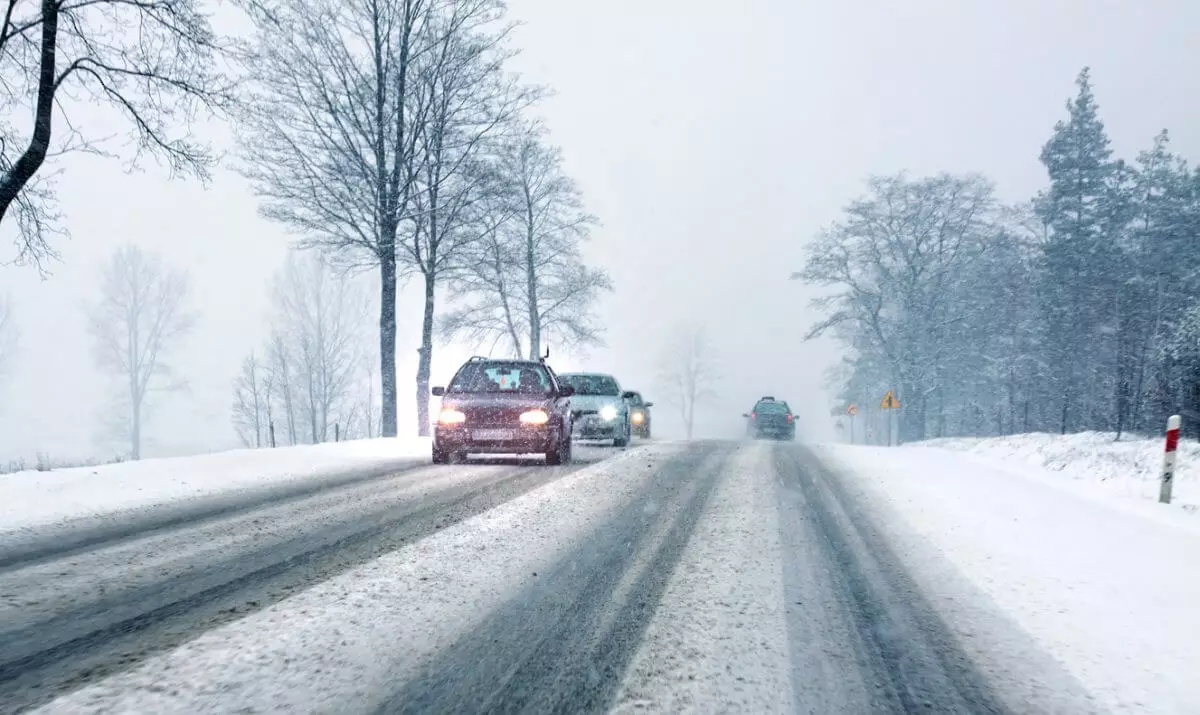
(496, 406)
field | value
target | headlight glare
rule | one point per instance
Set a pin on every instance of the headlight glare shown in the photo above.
(534, 417)
(638, 418)
(608, 412)
(451, 416)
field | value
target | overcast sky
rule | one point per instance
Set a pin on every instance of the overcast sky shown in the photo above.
(711, 138)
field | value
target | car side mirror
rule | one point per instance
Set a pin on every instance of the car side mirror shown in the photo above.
(649, 404)
(746, 415)
(566, 391)
(438, 391)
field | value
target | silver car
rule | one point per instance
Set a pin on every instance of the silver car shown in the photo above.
(600, 410)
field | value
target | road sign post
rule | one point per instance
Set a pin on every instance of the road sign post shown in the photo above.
(1168, 469)
(852, 410)
(889, 405)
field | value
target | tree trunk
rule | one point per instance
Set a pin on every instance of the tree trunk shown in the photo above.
(535, 318)
(387, 341)
(17, 177)
(135, 427)
(425, 359)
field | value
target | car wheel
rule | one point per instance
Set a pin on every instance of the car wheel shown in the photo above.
(561, 453)
(440, 456)
(624, 440)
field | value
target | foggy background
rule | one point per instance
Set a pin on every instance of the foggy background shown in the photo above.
(711, 140)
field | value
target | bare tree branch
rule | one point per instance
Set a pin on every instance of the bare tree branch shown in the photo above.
(156, 62)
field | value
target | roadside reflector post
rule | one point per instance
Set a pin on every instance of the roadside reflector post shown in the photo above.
(1168, 469)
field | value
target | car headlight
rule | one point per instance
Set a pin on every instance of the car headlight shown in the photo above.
(451, 416)
(638, 417)
(608, 412)
(534, 417)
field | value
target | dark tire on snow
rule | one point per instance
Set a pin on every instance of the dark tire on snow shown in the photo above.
(561, 454)
(440, 457)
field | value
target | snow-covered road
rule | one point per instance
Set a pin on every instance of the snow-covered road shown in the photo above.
(671, 577)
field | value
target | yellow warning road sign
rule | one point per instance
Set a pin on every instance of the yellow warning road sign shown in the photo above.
(852, 410)
(889, 402)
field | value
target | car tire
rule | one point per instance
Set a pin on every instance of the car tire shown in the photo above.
(561, 453)
(624, 441)
(440, 456)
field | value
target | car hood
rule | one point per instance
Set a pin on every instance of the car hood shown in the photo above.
(596, 402)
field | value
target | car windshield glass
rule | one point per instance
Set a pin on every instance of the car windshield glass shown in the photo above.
(591, 384)
(771, 408)
(636, 400)
(500, 377)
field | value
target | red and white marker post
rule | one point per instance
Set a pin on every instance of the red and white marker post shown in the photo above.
(1168, 470)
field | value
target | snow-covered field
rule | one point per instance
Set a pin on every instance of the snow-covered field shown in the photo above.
(33, 499)
(1106, 586)
(1092, 463)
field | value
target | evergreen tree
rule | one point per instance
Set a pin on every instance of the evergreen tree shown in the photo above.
(1082, 211)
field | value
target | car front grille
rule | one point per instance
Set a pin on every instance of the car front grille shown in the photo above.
(493, 416)
(576, 414)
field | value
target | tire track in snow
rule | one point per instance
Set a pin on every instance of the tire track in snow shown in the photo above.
(563, 643)
(865, 615)
(95, 640)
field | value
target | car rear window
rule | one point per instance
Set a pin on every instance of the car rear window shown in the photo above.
(771, 408)
(591, 384)
(500, 377)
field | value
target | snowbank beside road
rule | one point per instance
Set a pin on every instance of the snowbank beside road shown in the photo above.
(1093, 461)
(33, 499)
(1108, 592)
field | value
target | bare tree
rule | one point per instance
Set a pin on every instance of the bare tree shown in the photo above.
(370, 403)
(281, 379)
(137, 321)
(467, 101)
(251, 403)
(330, 132)
(155, 62)
(895, 268)
(317, 318)
(527, 275)
(688, 373)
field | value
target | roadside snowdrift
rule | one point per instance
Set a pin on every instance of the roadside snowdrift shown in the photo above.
(33, 499)
(1091, 461)
(1104, 586)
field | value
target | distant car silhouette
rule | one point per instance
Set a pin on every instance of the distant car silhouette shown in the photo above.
(771, 418)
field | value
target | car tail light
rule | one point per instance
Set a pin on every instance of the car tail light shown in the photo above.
(753, 415)
(789, 419)
(450, 416)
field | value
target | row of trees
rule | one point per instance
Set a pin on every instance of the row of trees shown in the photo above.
(1078, 310)
(313, 379)
(389, 135)
(313, 376)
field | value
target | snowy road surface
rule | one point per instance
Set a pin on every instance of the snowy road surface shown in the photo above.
(702, 577)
